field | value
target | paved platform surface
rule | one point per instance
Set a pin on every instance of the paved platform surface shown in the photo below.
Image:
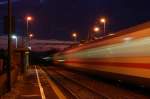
(33, 85)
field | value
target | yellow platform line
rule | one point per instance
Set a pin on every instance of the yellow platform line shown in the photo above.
(58, 92)
(55, 88)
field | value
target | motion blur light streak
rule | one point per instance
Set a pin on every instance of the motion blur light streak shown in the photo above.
(127, 59)
(127, 38)
(117, 50)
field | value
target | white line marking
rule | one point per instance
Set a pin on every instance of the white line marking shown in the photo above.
(39, 83)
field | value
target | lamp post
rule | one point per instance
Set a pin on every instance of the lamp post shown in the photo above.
(103, 20)
(29, 18)
(8, 70)
(15, 37)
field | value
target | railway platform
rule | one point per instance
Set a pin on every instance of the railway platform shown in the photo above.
(33, 85)
(61, 83)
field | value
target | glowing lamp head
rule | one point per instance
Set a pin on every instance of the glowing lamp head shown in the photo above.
(29, 18)
(96, 29)
(31, 35)
(74, 34)
(14, 36)
(103, 20)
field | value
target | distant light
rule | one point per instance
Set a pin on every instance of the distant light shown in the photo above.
(111, 34)
(29, 47)
(103, 20)
(47, 58)
(31, 35)
(96, 29)
(14, 36)
(127, 38)
(26, 52)
(61, 60)
(29, 18)
(74, 34)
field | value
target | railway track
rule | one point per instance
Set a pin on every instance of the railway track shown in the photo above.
(77, 86)
(73, 89)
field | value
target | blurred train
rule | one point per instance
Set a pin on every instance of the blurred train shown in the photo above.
(124, 55)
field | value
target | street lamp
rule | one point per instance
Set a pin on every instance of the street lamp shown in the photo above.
(74, 35)
(96, 29)
(8, 66)
(103, 20)
(29, 18)
(15, 37)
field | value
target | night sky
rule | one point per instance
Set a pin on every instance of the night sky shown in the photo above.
(57, 19)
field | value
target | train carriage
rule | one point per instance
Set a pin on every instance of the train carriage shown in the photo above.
(124, 55)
